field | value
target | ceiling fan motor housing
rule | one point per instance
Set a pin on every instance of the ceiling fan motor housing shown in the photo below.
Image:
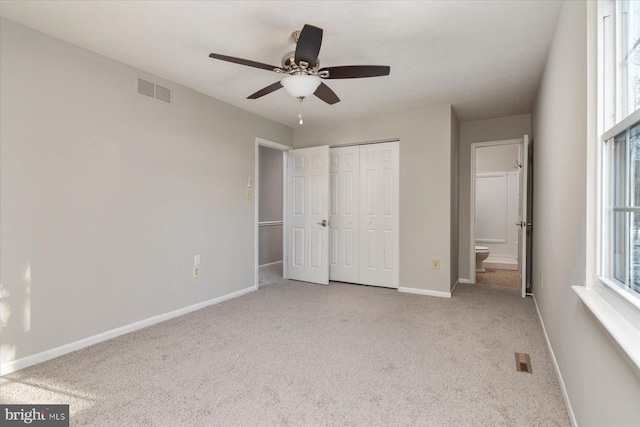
(289, 63)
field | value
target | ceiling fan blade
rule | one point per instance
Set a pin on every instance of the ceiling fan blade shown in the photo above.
(241, 61)
(308, 46)
(265, 91)
(325, 93)
(356, 71)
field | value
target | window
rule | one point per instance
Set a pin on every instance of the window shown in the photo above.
(620, 139)
(623, 209)
(628, 29)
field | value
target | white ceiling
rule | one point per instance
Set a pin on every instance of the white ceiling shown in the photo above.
(483, 57)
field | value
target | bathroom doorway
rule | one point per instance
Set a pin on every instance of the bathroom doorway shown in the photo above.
(496, 206)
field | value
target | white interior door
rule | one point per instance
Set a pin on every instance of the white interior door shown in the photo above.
(379, 214)
(344, 220)
(308, 214)
(523, 221)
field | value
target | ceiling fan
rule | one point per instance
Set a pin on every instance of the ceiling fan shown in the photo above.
(302, 68)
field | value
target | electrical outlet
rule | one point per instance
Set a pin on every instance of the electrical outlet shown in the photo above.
(196, 271)
(541, 281)
(196, 260)
(435, 263)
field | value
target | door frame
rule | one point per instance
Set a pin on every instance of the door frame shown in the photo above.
(256, 200)
(472, 198)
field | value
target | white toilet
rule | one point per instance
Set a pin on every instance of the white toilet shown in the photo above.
(482, 253)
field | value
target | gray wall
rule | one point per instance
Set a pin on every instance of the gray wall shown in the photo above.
(479, 131)
(271, 166)
(107, 195)
(270, 200)
(602, 388)
(425, 184)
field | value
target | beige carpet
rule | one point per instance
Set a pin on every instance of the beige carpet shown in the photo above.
(297, 354)
(497, 277)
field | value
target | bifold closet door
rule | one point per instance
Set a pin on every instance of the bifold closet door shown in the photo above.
(344, 223)
(379, 210)
(364, 210)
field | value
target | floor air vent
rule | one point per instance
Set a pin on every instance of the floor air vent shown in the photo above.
(523, 363)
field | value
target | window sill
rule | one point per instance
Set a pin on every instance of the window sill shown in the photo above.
(622, 326)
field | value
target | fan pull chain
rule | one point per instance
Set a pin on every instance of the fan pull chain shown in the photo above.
(300, 121)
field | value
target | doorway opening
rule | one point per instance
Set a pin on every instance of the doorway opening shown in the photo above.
(498, 211)
(270, 201)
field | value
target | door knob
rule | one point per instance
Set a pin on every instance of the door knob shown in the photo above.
(323, 223)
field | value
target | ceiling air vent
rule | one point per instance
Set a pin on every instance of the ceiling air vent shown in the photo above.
(153, 90)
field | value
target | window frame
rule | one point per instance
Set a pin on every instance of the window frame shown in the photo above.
(609, 126)
(615, 309)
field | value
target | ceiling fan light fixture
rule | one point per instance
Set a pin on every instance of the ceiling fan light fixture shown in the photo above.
(301, 85)
(302, 69)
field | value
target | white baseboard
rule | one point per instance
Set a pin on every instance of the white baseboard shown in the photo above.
(501, 262)
(425, 292)
(25, 362)
(465, 281)
(500, 265)
(270, 263)
(563, 388)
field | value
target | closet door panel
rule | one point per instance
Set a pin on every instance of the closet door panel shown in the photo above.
(379, 219)
(388, 210)
(364, 214)
(344, 221)
(308, 210)
(387, 262)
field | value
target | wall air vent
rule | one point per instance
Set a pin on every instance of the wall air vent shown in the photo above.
(163, 94)
(153, 90)
(146, 88)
